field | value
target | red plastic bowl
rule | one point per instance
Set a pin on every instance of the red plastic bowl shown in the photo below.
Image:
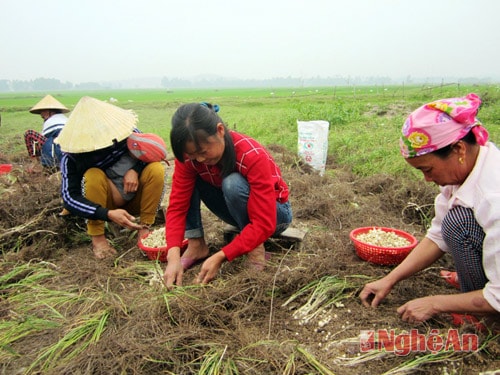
(379, 254)
(158, 253)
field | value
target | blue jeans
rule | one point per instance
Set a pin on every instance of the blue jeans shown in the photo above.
(229, 204)
(51, 153)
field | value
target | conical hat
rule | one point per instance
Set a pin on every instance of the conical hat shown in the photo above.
(94, 125)
(48, 102)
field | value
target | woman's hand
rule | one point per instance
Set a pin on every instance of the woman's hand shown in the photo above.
(424, 254)
(174, 270)
(123, 218)
(210, 268)
(130, 181)
(373, 293)
(419, 310)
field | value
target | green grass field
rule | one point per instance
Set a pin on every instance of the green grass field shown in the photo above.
(64, 312)
(365, 122)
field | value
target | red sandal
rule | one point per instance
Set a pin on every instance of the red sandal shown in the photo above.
(451, 278)
(466, 319)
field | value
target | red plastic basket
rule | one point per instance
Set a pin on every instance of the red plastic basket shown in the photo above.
(5, 168)
(158, 253)
(378, 254)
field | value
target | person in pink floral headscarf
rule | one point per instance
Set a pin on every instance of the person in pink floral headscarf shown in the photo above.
(448, 144)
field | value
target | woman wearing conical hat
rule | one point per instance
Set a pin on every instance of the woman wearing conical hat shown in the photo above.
(41, 145)
(116, 184)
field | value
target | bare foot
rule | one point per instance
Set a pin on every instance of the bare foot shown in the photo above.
(101, 247)
(64, 212)
(141, 233)
(256, 259)
(34, 167)
(196, 250)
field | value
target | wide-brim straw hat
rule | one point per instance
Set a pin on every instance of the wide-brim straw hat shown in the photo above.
(94, 125)
(48, 102)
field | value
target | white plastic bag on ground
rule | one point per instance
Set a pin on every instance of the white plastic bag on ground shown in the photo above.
(313, 143)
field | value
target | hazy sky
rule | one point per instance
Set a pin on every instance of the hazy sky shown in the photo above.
(102, 40)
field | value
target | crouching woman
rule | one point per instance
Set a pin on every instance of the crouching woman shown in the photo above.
(236, 178)
(103, 178)
(448, 144)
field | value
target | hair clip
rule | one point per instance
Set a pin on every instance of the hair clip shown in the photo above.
(214, 107)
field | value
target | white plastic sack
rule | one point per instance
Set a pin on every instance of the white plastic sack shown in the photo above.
(313, 143)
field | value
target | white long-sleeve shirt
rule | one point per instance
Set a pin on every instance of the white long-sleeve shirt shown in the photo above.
(53, 123)
(480, 192)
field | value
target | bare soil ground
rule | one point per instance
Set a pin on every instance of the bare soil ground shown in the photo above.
(240, 315)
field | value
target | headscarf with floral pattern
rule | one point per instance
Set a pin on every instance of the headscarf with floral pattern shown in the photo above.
(439, 124)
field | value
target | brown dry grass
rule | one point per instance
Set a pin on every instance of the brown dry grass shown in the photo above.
(240, 315)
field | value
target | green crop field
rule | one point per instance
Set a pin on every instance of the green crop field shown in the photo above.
(365, 122)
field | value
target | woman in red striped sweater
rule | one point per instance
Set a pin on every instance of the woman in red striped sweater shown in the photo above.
(235, 177)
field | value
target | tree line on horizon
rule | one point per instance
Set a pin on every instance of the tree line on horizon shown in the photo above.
(53, 84)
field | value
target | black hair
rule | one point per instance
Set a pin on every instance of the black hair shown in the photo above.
(53, 111)
(195, 122)
(445, 151)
